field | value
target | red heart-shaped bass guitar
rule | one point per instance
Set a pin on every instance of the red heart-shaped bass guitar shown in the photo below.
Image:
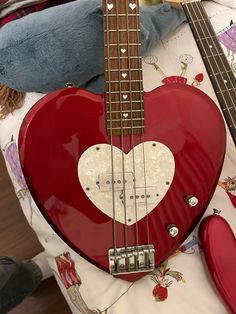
(123, 177)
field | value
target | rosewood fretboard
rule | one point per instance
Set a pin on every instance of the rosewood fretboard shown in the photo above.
(123, 67)
(218, 68)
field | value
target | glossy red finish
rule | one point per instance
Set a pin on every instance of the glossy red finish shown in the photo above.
(62, 125)
(219, 246)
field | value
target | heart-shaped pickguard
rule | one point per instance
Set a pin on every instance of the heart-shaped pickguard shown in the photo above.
(219, 246)
(140, 179)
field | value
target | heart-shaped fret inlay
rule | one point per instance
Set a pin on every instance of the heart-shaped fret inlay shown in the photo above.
(104, 189)
(110, 6)
(123, 50)
(124, 75)
(132, 6)
(125, 115)
(125, 96)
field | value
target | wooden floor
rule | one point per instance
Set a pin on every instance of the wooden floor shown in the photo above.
(19, 241)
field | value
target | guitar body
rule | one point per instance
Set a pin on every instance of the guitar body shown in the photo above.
(59, 130)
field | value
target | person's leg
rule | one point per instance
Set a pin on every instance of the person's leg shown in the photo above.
(20, 279)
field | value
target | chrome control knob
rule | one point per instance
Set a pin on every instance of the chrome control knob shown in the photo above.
(173, 230)
(191, 200)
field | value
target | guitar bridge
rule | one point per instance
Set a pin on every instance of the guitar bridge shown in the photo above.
(131, 259)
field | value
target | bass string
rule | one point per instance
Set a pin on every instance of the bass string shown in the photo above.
(142, 122)
(110, 124)
(132, 129)
(131, 117)
(121, 125)
(142, 117)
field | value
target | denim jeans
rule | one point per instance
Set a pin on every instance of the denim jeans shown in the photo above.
(17, 280)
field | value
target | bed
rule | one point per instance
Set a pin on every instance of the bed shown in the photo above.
(182, 283)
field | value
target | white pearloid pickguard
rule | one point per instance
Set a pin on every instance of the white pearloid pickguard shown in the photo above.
(153, 177)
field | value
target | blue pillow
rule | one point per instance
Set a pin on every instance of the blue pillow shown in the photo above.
(44, 50)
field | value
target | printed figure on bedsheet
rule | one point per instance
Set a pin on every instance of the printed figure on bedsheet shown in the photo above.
(163, 276)
(185, 61)
(227, 37)
(11, 155)
(229, 185)
(72, 282)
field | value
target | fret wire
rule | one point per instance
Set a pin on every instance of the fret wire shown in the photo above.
(226, 90)
(125, 101)
(125, 91)
(205, 37)
(218, 73)
(196, 31)
(215, 55)
(119, 120)
(199, 20)
(130, 44)
(121, 30)
(228, 108)
(128, 127)
(124, 111)
(115, 70)
(121, 14)
(114, 58)
(126, 81)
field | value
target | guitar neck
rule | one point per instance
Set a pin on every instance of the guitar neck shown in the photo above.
(123, 67)
(218, 68)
